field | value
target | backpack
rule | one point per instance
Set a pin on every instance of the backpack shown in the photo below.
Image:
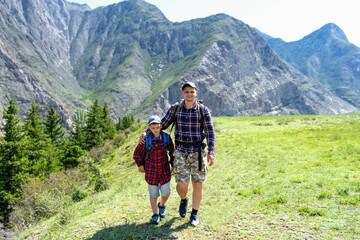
(176, 110)
(148, 140)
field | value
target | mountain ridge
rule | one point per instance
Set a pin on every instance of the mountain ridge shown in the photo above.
(327, 56)
(134, 59)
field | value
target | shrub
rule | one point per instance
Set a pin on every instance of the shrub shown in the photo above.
(43, 198)
(78, 195)
(101, 184)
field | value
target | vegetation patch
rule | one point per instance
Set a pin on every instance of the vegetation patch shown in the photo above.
(296, 178)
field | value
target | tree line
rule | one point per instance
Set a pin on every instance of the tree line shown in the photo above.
(38, 146)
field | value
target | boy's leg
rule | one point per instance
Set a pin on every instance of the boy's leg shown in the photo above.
(153, 203)
(163, 200)
(154, 193)
(165, 193)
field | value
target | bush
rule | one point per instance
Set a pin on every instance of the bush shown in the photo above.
(78, 195)
(97, 153)
(101, 184)
(43, 198)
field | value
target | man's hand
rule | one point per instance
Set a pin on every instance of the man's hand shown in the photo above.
(211, 159)
(141, 169)
(142, 138)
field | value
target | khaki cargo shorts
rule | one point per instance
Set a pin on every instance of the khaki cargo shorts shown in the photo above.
(187, 164)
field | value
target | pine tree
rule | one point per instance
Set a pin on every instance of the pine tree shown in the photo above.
(108, 125)
(53, 128)
(40, 151)
(33, 126)
(12, 165)
(94, 134)
(77, 132)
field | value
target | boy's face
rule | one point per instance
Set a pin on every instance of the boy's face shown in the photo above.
(155, 128)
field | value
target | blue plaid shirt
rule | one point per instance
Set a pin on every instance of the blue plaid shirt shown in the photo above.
(187, 128)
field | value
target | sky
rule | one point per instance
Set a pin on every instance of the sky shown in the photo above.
(289, 20)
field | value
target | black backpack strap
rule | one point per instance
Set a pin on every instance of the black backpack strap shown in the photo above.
(176, 110)
(201, 111)
(165, 137)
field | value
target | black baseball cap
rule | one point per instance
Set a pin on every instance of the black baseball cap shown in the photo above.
(189, 84)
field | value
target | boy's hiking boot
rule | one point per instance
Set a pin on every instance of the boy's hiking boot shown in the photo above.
(162, 210)
(183, 207)
(155, 219)
(194, 221)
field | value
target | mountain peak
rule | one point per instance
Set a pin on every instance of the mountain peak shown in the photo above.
(334, 31)
(329, 30)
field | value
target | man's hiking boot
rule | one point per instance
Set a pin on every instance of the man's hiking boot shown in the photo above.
(162, 210)
(183, 207)
(194, 221)
(155, 219)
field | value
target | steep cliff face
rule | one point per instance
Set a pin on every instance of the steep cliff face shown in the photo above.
(242, 76)
(131, 57)
(327, 56)
(35, 66)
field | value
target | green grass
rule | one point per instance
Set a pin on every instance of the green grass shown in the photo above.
(284, 177)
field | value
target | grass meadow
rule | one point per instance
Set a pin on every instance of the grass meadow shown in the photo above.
(278, 177)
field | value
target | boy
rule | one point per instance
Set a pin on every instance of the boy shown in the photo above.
(152, 158)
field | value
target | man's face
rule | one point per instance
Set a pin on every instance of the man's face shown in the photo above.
(189, 93)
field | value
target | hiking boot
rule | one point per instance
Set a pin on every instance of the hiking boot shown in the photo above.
(183, 207)
(162, 210)
(155, 219)
(194, 221)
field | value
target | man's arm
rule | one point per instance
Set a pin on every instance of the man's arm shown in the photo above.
(167, 120)
(209, 132)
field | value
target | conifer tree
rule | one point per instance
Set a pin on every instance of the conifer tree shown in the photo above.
(77, 132)
(108, 125)
(94, 133)
(40, 151)
(12, 165)
(33, 125)
(53, 127)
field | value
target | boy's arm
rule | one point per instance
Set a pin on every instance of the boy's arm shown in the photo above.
(139, 154)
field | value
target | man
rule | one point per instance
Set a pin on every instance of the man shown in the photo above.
(190, 158)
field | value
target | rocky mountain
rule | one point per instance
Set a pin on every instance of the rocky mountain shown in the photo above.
(130, 56)
(327, 56)
(34, 55)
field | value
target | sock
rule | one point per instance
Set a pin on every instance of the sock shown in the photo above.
(183, 200)
(194, 212)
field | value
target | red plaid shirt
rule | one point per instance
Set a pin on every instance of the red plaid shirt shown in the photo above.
(157, 167)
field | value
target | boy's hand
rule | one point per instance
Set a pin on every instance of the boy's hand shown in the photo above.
(141, 169)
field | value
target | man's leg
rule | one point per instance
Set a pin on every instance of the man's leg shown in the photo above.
(182, 189)
(197, 194)
(182, 176)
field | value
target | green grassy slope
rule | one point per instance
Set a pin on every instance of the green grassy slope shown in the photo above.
(286, 177)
